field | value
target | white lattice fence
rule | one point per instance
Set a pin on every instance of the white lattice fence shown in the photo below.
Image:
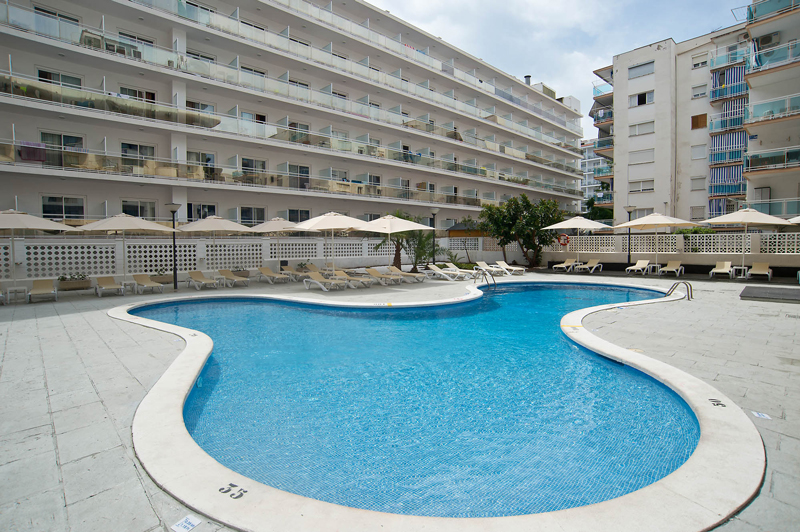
(344, 249)
(588, 244)
(490, 244)
(294, 250)
(234, 255)
(151, 258)
(780, 243)
(53, 260)
(464, 243)
(717, 243)
(5, 261)
(647, 243)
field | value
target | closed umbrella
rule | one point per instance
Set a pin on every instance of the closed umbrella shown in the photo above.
(214, 224)
(580, 223)
(332, 221)
(125, 222)
(388, 225)
(276, 226)
(655, 221)
(746, 217)
(14, 220)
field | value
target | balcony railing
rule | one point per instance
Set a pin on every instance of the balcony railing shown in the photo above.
(728, 91)
(603, 171)
(772, 159)
(602, 89)
(772, 57)
(95, 38)
(772, 109)
(786, 207)
(603, 115)
(729, 55)
(604, 143)
(758, 11)
(728, 189)
(725, 121)
(235, 27)
(68, 96)
(728, 155)
(603, 198)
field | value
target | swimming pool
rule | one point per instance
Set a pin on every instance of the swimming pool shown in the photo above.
(402, 411)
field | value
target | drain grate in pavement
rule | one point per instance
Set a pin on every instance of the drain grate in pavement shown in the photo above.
(777, 294)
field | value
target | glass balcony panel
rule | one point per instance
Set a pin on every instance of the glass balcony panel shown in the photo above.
(765, 8)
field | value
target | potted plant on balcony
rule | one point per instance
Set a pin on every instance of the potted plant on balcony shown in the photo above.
(240, 271)
(74, 281)
(162, 277)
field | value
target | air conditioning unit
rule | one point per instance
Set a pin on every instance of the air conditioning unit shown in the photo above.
(743, 37)
(766, 42)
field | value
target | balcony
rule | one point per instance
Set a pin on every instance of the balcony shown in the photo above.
(726, 156)
(730, 55)
(728, 189)
(604, 172)
(602, 89)
(120, 47)
(758, 11)
(605, 147)
(720, 122)
(603, 116)
(773, 109)
(729, 91)
(768, 162)
(785, 207)
(603, 199)
(233, 26)
(26, 87)
(772, 58)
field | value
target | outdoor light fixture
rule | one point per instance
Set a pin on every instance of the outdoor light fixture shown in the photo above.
(433, 216)
(629, 209)
(173, 208)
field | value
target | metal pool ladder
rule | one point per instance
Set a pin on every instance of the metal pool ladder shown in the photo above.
(485, 275)
(689, 292)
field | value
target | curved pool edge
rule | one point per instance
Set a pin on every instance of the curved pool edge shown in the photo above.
(700, 494)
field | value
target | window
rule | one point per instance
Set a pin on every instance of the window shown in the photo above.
(699, 91)
(252, 215)
(698, 213)
(134, 154)
(638, 213)
(141, 208)
(200, 56)
(198, 211)
(375, 180)
(253, 165)
(369, 216)
(253, 71)
(376, 105)
(643, 98)
(699, 151)
(197, 10)
(338, 175)
(63, 207)
(60, 79)
(647, 185)
(54, 14)
(299, 132)
(254, 117)
(298, 215)
(253, 25)
(338, 94)
(338, 134)
(206, 160)
(298, 83)
(642, 129)
(298, 41)
(698, 183)
(642, 156)
(200, 106)
(137, 39)
(56, 144)
(700, 60)
(138, 94)
(699, 121)
(641, 70)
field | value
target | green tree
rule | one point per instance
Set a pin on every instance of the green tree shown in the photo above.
(520, 220)
(597, 213)
(418, 245)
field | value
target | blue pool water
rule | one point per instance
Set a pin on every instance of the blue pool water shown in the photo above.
(477, 410)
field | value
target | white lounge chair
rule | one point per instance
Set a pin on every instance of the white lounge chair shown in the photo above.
(143, 281)
(229, 277)
(453, 268)
(449, 276)
(494, 270)
(566, 266)
(510, 270)
(639, 267)
(383, 278)
(293, 274)
(316, 278)
(760, 268)
(722, 267)
(590, 266)
(198, 280)
(43, 287)
(266, 273)
(673, 266)
(353, 282)
(408, 276)
(108, 283)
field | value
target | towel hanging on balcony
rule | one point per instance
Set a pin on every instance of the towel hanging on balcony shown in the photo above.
(32, 152)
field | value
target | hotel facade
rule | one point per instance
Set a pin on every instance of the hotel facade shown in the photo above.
(264, 109)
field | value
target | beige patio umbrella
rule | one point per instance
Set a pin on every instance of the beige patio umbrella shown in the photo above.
(581, 224)
(795, 220)
(276, 226)
(214, 224)
(746, 217)
(332, 221)
(388, 225)
(125, 222)
(655, 221)
(13, 220)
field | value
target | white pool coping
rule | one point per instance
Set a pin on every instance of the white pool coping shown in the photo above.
(722, 476)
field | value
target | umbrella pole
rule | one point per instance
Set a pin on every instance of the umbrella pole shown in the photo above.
(743, 246)
(333, 251)
(124, 257)
(13, 261)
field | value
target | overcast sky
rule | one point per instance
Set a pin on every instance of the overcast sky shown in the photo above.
(560, 42)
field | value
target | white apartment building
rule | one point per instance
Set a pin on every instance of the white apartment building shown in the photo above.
(699, 128)
(262, 109)
(592, 165)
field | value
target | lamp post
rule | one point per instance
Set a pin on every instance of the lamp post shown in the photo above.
(629, 209)
(433, 215)
(173, 208)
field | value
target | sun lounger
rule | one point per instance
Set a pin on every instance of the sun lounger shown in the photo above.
(590, 266)
(311, 268)
(639, 267)
(494, 270)
(293, 274)
(366, 282)
(43, 287)
(317, 279)
(449, 276)
(760, 268)
(383, 278)
(566, 266)
(510, 270)
(673, 266)
(453, 268)
(229, 277)
(266, 272)
(143, 281)
(198, 280)
(108, 283)
(408, 276)
(722, 267)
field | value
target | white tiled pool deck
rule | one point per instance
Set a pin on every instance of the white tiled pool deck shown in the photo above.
(72, 377)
